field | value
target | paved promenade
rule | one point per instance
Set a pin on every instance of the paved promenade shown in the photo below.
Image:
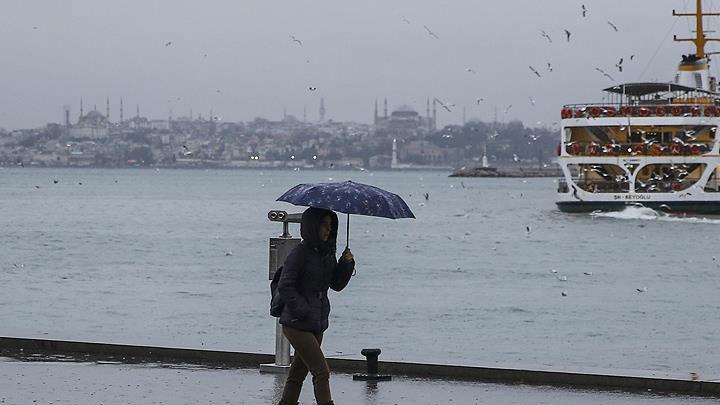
(37, 380)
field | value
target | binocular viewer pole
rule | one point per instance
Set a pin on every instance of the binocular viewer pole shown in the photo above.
(279, 250)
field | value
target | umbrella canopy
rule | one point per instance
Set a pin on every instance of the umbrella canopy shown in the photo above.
(349, 197)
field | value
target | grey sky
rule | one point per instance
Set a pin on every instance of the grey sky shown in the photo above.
(357, 51)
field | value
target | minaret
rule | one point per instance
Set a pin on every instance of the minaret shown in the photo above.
(434, 121)
(376, 117)
(427, 114)
(81, 108)
(137, 110)
(107, 109)
(121, 110)
(385, 108)
(67, 115)
(322, 109)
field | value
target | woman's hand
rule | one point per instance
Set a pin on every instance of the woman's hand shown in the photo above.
(347, 255)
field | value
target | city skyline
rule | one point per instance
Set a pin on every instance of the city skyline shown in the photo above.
(253, 59)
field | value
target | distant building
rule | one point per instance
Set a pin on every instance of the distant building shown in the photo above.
(403, 122)
(424, 152)
(92, 125)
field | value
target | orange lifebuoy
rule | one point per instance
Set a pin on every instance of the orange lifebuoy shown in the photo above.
(656, 149)
(709, 111)
(595, 112)
(594, 149)
(695, 111)
(638, 149)
(660, 111)
(676, 110)
(626, 111)
(610, 112)
(574, 149)
(644, 112)
(696, 149)
(579, 113)
(674, 149)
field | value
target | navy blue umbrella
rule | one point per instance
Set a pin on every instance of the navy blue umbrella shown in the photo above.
(349, 197)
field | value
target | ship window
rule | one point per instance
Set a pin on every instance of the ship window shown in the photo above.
(668, 178)
(698, 81)
(713, 183)
(600, 178)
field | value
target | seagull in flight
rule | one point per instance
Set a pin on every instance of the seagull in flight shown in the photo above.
(584, 11)
(532, 101)
(168, 43)
(613, 26)
(432, 34)
(311, 88)
(545, 35)
(567, 35)
(299, 42)
(445, 106)
(405, 20)
(186, 151)
(508, 109)
(535, 71)
(549, 67)
(479, 100)
(619, 65)
(604, 74)
(469, 70)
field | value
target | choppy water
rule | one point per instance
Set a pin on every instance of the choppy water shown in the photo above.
(140, 257)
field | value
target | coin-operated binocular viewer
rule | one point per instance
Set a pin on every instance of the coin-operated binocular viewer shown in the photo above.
(280, 248)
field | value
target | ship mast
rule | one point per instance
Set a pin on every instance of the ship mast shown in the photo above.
(700, 40)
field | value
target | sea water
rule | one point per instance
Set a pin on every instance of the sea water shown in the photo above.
(490, 272)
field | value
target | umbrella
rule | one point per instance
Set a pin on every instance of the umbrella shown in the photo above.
(349, 197)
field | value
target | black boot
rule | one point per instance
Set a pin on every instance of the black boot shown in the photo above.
(288, 403)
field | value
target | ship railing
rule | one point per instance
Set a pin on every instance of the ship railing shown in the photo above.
(656, 149)
(623, 186)
(659, 108)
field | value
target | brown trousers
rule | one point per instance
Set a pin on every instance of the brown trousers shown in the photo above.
(308, 357)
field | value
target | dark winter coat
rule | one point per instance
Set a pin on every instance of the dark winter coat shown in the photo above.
(308, 272)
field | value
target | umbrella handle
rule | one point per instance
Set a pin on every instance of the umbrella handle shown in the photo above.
(347, 243)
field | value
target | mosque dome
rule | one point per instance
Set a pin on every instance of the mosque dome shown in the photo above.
(404, 111)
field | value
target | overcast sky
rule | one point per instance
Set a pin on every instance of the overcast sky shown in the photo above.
(55, 52)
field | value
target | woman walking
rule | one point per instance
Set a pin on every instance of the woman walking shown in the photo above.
(308, 272)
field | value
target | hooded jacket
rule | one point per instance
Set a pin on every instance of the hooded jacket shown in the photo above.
(309, 271)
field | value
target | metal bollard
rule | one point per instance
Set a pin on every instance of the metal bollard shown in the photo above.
(280, 248)
(371, 356)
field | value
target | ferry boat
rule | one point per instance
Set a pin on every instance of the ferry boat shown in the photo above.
(653, 144)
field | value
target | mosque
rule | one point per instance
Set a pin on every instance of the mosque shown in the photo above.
(404, 121)
(94, 125)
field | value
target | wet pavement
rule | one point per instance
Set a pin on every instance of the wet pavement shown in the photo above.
(39, 381)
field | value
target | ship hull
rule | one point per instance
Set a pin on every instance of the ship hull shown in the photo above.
(687, 207)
